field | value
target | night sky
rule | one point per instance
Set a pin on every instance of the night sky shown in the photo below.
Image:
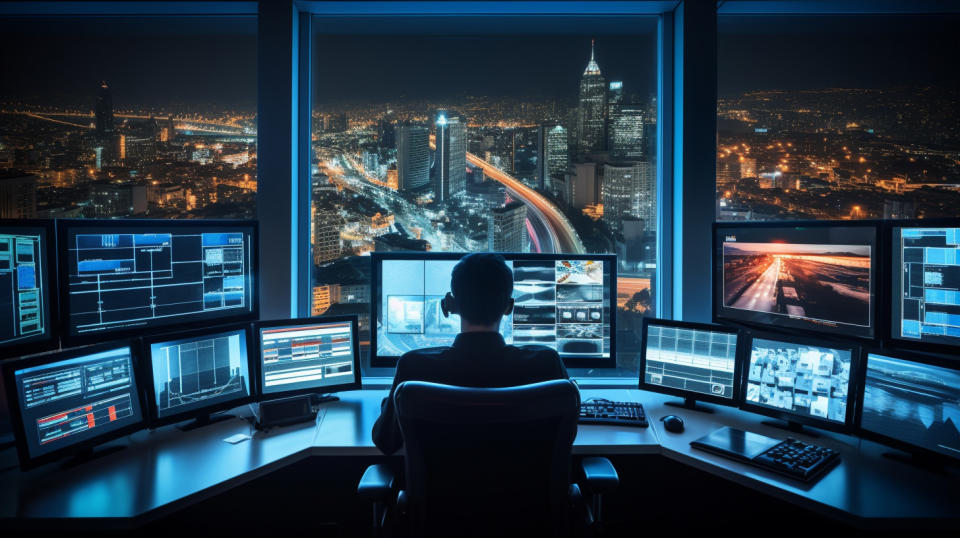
(201, 61)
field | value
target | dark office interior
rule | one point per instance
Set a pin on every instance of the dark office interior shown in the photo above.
(479, 268)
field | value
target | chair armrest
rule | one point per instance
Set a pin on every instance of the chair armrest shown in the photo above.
(376, 484)
(599, 474)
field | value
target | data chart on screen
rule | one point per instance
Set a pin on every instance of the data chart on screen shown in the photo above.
(691, 359)
(306, 356)
(805, 380)
(124, 281)
(199, 371)
(68, 401)
(24, 297)
(926, 294)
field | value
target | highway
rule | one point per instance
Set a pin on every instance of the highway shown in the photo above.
(559, 232)
(761, 296)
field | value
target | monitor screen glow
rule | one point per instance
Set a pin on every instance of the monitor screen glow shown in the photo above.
(306, 356)
(926, 288)
(25, 311)
(694, 360)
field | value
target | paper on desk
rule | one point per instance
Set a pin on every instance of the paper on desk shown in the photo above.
(238, 438)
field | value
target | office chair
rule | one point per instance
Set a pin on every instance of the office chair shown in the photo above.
(487, 461)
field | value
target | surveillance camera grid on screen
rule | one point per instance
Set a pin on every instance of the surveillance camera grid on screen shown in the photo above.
(561, 304)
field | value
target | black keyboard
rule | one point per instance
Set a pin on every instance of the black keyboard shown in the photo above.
(797, 459)
(600, 411)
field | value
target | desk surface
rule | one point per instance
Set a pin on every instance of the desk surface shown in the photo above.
(165, 469)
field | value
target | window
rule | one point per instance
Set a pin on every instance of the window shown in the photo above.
(459, 134)
(838, 117)
(147, 117)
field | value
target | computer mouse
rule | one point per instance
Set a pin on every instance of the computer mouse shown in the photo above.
(672, 423)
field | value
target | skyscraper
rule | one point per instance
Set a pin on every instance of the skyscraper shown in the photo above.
(450, 165)
(556, 156)
(413, 157)
(592, 109)
(326, 236)
(626, 133)
(507, 230)
(628, 191)
(614, 97)
(103, 110)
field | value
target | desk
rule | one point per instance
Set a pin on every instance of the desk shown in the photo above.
(166, 469)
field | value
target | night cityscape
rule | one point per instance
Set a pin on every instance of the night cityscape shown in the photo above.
(563, 164)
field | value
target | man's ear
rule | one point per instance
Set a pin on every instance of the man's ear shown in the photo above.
(448, 305)
(509, 307)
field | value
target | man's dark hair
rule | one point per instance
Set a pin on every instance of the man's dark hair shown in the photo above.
(482, 284)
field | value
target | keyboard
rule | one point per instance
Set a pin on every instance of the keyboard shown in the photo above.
(601, 411)
(797, 459)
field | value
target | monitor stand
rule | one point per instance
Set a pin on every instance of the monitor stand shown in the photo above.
(317, 399)
(790, 426)
(88, 454)
(934, 465)
(204, 420)
(691, 404)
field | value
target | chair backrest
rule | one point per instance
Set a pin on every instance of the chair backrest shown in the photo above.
(483, 459)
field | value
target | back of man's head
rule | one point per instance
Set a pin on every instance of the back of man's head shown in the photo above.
(482, 285)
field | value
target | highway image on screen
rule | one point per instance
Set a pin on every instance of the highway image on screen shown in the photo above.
(912, 402)
(691, 359)
(827, 284)
(562, 304)
(194, 373)
(69, 401)
(22, 297)
(131, 280)
(306, 356)
(801, 379)
(929, 285)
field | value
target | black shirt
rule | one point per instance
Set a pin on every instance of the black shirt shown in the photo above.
(476, 359)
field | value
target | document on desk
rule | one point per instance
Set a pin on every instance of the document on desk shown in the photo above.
(238, 438)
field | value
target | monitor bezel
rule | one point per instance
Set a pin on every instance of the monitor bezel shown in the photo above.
(63, 226)
(52, 340)
(257, 354)
(376, 259)
(877, 267)
(847, 425)
(693, 395)
(907, 356)
(898, 341)
(27, 461)
(146, 374)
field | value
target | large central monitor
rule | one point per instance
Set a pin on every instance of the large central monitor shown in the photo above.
(562, 301)
(925, 290)
(27, 283)
(194, 374)
(801, 380)
(64, 402)
(815, 277)
(130, 277)
(696, 361)
(307, 356)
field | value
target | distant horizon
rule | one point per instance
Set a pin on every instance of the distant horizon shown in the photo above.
(862, 251)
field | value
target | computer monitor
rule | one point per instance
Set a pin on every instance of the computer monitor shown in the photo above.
(911, 402)
(801, 381)
(133, 277)
(27, 287)
(925, 284)
(307, 356)
(697, 361)
(817, 277)
(65, 403)
(194, 374)
(562, 301)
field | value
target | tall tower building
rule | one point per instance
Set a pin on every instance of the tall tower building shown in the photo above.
(629, 192)
(592, 110)
(326, 236)
(450, 168)
(103, 110)
(413, 157)
(625, 140)
(614, 97)
(556, 156)
(507, 230)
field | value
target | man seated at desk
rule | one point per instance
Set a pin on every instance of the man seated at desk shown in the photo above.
(481, 294)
